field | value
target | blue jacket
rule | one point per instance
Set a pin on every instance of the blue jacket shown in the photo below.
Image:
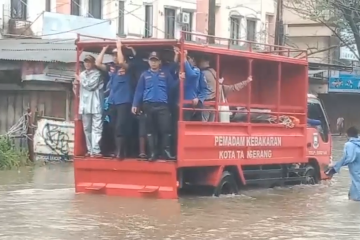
(351, 158)
(153, 87)
(172, 68)
(195, 83)
(119, 86)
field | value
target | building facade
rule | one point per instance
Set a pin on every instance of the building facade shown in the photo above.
(306, 34)
(239, 19)
(339, 86)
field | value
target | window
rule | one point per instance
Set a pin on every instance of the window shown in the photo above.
(75, 7)
(148, 21)
(48, 6)
(18, 9)
(121, 18)
(95, 8)
(235, 26)
(269, 29)
(316, 111)
(169, 23)
(188, 26)
(251, 30)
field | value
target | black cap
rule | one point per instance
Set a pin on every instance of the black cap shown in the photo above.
(154, 55)
(89, 58)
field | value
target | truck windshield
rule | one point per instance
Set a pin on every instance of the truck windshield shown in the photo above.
(315, 111)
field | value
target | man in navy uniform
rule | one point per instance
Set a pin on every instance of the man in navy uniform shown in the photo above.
(195, 89)
(120, 97)
(153, 90)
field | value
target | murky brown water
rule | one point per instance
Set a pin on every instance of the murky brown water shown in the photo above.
(40, 204)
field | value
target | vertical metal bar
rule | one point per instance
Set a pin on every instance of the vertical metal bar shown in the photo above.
(248, 105)
(181, 84)
(217, 88)
(278, 91)
(78, 125)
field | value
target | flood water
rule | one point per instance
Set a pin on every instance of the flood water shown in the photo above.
(40, 204)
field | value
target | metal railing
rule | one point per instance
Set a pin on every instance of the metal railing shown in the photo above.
(244, 45)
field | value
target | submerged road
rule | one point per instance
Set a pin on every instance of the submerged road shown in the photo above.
(40, 204)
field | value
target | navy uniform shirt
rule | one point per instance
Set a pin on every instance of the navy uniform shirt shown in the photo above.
(119, 85)
(195, 85)
(153, 87)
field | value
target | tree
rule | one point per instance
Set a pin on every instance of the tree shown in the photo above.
(342, 17)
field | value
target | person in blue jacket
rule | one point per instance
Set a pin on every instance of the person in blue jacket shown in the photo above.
(195, 89)
(120, 97)
(153, 90)
(351, 158)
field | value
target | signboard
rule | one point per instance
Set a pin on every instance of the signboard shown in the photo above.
(345, 83)
(54, 140)
(347, 54)
(264, 145)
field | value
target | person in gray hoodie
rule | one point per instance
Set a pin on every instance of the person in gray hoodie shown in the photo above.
(210, 76)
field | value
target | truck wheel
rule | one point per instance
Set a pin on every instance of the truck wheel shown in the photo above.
(227, 185)
(310, 176)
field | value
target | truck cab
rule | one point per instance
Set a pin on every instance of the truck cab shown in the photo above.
(319, 141)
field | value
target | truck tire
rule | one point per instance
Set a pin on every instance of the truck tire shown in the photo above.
(310, 176)
(227, 185)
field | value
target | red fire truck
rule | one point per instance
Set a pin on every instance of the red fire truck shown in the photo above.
(271, 144)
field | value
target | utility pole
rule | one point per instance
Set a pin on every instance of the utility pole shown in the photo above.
(279, 27)
(211, 20)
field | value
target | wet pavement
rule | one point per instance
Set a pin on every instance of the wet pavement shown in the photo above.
(40, 204)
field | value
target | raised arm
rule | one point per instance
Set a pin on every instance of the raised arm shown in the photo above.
(176, 54)
(120, 55)
(132, 50)
(99, 60)
(191, 72)
(236, 87)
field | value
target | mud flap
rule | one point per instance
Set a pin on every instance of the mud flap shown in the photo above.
(128, 178)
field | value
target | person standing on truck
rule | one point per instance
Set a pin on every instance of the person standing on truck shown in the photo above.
(224, 90)
(91, 94)
(139, 65)
(195, 88)
(351, 158)
(120, 97)
(153, 90)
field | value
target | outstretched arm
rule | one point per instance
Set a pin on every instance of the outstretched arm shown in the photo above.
(236, 87)
(349, 156)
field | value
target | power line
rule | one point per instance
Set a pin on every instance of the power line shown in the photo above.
(125, 12)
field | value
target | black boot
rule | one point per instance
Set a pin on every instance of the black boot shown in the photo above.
(152, 147)
(166, 150)
(119, 154)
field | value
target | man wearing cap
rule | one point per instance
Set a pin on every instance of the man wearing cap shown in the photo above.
(90, 107)
(120, 96)
(153, 90)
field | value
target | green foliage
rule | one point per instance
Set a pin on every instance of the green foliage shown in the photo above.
(10, 157)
